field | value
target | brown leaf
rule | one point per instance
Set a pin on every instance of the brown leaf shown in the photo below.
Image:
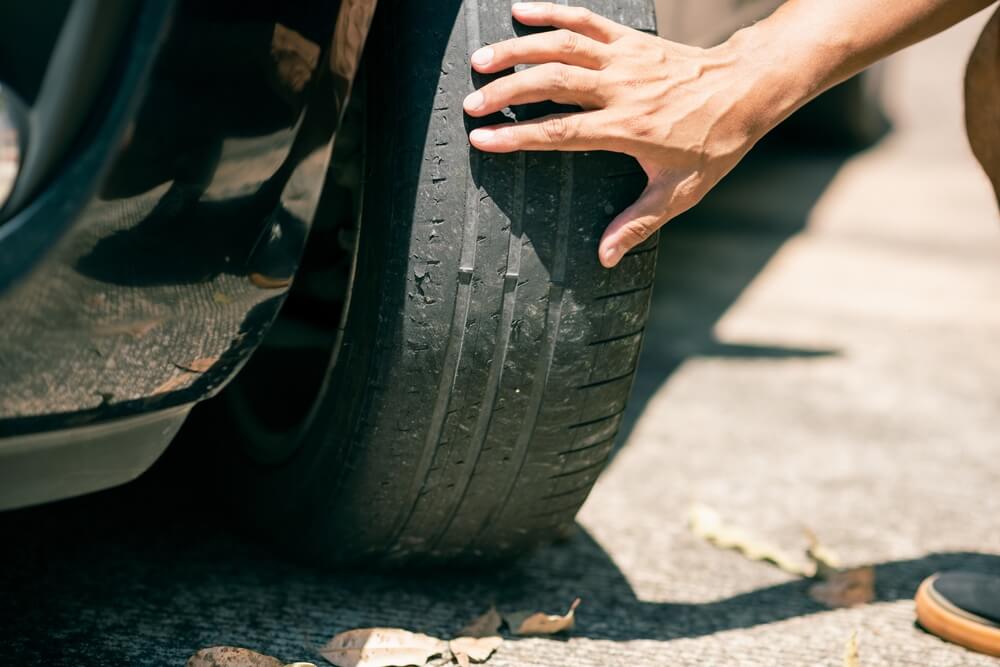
(231, 656)
(479, 649)
(851, 658)
(538, 623)
(172, 383)
(381, 647)
(826, 561)
(487, 625)
(707, 524)
(134, 328)
(845, 588)
(198, 365)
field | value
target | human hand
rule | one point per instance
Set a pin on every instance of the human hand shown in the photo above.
(688, 115)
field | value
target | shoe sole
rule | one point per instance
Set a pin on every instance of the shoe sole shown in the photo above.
(941, 618)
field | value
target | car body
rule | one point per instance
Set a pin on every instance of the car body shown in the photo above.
(142, 266)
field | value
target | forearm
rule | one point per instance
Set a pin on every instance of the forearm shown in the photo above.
(686, 114)
(808, 46)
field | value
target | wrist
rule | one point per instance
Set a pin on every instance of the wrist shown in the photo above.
(777, 75)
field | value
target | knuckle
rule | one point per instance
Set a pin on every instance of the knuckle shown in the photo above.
(638, 126)
(556, 130)
(637, 232)
(582, 14)
(559, 78)
(569, 42)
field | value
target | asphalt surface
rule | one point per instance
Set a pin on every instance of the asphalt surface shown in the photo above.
(822, 353)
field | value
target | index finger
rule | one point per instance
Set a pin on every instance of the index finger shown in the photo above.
(556, 132)
(577, 19)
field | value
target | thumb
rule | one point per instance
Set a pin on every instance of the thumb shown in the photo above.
(636, 223)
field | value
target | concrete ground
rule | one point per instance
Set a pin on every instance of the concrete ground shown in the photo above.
(823, 352)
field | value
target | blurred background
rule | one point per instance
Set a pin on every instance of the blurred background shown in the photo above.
(822, 353)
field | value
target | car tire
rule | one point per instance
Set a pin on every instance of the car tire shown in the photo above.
(850, 116)
(486, 357)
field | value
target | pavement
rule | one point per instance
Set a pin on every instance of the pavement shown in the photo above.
(822, 353)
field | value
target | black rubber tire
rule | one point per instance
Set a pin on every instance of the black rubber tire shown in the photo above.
(487, 356)
(849, 116)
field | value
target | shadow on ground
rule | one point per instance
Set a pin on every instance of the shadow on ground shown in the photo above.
(145, 574)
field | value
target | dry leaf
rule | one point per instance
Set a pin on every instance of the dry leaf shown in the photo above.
(826, 561)
(479, 649)
(538, 623)
(851, 651)
(845, 588)
(381, 647)
(487, 625)
(708, 524)
(175, 382)
(134, 328)
(231, 656)
(198, 365)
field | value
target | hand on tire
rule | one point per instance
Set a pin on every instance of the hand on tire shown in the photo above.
(688, 115)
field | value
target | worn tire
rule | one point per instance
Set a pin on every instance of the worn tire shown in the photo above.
(487, 357)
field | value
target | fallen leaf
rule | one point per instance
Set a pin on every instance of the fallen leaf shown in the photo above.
(231, 656)
(851, 651)
(845, 588)
(381, 647)
(706, 523)
(134, 328)
(538, 623)
(478, 649)
(825, 560)
(487, 625)
(198, 365)
(172, 383)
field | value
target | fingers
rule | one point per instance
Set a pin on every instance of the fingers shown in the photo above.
(636, 223)
(577, 19)
(551, 81)
(564, 132)
(564, 46)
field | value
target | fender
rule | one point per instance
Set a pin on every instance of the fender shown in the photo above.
(131, 283)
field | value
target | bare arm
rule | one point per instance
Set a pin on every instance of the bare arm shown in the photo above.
(688, 115)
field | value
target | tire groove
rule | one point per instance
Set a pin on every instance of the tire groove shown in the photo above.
(612, 339)
(642, 251)
(604, 297)
(587, 468)
(460, 316)
(598, 420)
(563, 494)
(601, 383)
(553, 317)
(507, 304)
(587, 447)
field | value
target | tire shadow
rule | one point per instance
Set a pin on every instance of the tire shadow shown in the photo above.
(711, 254)
(144, 575)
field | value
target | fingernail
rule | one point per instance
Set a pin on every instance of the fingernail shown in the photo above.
(526, 7)
(473, 101)
(481, 136)
(483, 56)
(611, 255)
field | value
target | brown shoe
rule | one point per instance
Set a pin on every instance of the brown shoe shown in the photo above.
(963, 608)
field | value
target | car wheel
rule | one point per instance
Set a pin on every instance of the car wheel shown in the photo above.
(454, 388)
